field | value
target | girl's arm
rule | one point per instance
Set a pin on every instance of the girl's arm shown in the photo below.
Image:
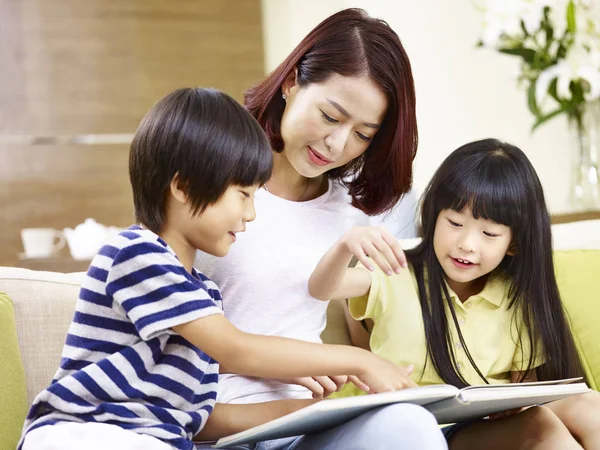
(333, 279)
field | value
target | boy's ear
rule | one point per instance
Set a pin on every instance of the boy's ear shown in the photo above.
(178, 191)
(290, 82)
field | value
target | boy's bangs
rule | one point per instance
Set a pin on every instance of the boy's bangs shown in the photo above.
(254, 166)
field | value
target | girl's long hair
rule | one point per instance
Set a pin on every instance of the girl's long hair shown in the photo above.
(498, 183)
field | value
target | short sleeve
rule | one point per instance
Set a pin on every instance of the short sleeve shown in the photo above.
(369, 305)
(156, 291)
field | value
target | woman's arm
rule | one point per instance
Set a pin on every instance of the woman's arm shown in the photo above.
(333, 279)
(228, 418)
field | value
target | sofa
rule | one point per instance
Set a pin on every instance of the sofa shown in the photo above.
(36, 308)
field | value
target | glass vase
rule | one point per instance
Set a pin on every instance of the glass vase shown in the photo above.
(585, 182)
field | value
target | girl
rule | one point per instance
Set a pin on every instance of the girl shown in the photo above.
(479, 303)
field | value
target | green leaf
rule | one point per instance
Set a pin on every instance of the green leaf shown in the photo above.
(543, 119)
(531, 100)
(571, 23)
(526, 53)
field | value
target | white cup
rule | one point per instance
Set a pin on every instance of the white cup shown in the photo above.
(41, 242)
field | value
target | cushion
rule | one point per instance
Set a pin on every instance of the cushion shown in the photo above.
(44, 303)
(13, 394)
(577, 273)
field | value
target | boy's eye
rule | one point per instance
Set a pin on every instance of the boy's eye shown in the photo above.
(329, 118)
(245, 194)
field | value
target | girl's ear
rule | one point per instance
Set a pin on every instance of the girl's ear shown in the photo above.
(177, 190)
(290, 82)
(512, 249)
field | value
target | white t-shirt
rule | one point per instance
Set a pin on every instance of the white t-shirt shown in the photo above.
(264, 278)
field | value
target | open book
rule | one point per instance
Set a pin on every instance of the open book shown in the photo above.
(447, 403)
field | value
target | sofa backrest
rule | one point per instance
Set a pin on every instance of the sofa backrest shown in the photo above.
(44, 303)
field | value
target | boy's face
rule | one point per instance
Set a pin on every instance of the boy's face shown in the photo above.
(214, 230)
(468, 248)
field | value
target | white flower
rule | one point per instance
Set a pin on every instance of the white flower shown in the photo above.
(502, 18)
(577, 66)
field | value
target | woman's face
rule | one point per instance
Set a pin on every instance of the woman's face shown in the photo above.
(326, 125)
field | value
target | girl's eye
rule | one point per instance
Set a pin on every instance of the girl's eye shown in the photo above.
(454, 224)
(329, 118)
(245, 194)
(488, 234)
(362, 137)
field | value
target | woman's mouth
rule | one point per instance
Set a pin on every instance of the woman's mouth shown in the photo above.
(317, 158)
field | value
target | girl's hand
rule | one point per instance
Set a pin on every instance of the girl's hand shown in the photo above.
(375, 244)
(383, 376)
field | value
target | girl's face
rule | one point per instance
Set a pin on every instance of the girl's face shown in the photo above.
(469, 248)
(326, 125)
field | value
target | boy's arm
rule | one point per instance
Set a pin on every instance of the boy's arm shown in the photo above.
(278, 357)
(227, 419)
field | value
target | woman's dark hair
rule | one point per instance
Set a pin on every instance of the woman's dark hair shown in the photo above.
(351, 43)
(498, 183)
(205, 138)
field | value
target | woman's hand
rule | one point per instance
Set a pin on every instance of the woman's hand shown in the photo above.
(375, 244)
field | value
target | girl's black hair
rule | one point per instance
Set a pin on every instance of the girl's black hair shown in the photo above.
(498, 183)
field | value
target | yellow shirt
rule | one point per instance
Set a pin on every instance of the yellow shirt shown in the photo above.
(489, 328)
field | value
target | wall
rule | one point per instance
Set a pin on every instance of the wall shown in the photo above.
(74, 68)
(463, 92)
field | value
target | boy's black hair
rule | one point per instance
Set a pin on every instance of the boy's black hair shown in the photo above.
(498, 183)
(205, 138)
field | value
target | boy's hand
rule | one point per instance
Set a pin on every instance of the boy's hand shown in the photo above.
(321, 387)
(375, 244)
(384, 376)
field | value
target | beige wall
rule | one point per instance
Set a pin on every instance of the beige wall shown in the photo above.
(463, 93)
(73, 67)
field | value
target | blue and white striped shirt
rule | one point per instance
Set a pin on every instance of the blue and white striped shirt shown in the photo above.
(122, 364)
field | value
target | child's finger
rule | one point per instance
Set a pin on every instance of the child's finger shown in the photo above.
(396, 248)
(377, 257)
(390, 256)
(359, 384)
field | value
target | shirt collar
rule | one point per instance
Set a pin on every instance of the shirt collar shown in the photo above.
(494, 291)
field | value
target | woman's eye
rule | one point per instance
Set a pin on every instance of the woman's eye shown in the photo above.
(329, 118)
(363, 137)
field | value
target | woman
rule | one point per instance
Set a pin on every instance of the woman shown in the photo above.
(340, 115)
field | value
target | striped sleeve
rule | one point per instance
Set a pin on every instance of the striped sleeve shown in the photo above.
(156, 291)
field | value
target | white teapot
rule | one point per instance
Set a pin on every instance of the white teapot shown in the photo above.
(86, 239)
